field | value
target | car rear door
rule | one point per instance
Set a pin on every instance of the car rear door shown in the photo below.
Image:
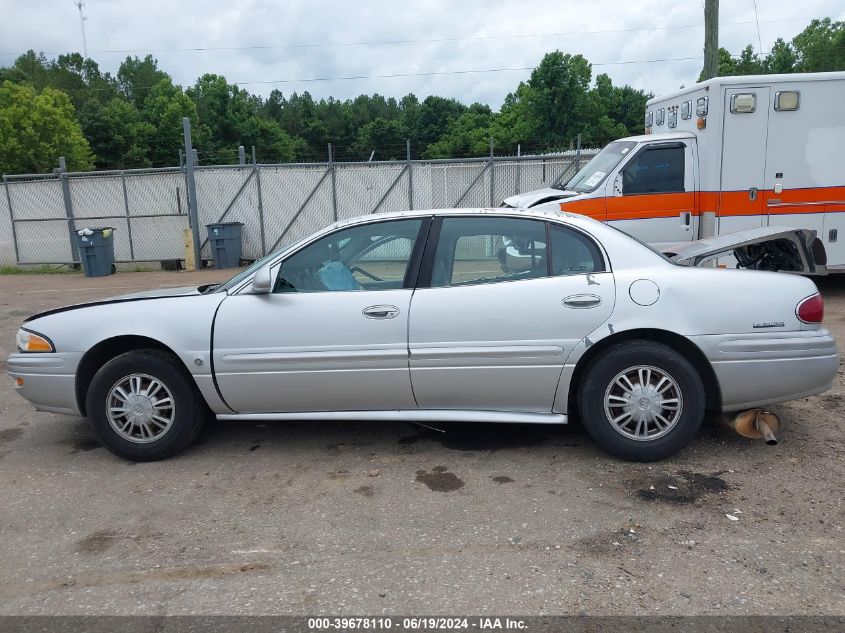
(333, 336)
(495, 314)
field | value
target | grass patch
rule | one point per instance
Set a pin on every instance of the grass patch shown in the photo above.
(38, 270)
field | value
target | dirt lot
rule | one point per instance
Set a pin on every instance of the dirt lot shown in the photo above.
(391, 518)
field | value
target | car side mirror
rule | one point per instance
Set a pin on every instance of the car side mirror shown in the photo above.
(617, 184)
(262, 281)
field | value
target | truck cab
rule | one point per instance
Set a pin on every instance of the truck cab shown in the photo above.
(726, 155)
(644, 185)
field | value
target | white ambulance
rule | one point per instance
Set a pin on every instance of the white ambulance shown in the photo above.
(728, 154)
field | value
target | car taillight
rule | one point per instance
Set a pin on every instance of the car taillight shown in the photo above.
(811, 309)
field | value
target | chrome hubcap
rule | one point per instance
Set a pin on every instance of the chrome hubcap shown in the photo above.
(643, 403)
(140, 408)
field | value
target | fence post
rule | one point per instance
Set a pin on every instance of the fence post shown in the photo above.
(409, 167)
(193, 211)
(128, 219)
(74, 248)
(518, 169)
(260, 203)
(334, 182)
(241, 156)
(492, 176)
(578, 154)
(12, 219)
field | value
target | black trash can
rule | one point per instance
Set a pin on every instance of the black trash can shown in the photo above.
(225, 242)
(96, 251)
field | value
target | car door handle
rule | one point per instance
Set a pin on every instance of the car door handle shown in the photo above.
(686, 218)
(582, 301)
(381, 312)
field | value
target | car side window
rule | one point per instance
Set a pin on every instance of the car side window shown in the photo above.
(574, 253)
(655, 170)
(478, 250)
(368, 257)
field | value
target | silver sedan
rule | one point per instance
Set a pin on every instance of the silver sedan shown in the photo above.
(472, 315)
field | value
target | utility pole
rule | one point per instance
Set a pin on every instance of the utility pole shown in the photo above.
(80, 5)
(711, 39)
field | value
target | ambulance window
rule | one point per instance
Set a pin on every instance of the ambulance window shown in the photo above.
(655, 170)
(659, 118)
(649, 119)
(673, 118)
(686, 109)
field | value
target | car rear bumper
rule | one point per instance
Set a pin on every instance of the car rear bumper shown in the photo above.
(759, 369)
(47, 380)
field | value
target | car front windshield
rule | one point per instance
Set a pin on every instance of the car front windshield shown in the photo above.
(594, 172)
(249, 270)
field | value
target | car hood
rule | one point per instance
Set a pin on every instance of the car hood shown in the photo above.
(533, 198)
(773, 248)
(160, 293)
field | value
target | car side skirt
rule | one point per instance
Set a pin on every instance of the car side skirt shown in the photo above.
(410, 415)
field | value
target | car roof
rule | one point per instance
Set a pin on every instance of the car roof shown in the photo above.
(540, 214)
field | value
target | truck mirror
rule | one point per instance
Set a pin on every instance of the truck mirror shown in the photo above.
(617, 184)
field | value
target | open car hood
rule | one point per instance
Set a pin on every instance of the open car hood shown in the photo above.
(538, 196)
(773, 248)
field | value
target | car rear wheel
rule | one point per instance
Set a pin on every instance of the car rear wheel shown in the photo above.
(641, 400)
(144, 406)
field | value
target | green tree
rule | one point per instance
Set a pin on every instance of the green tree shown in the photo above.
(749, 62)
(468, 135)
(781, 59)
(35, 129)
(136, 77)
(820, 47)
(556, 90)
(433, 118)
(165, 105)
(384, 137)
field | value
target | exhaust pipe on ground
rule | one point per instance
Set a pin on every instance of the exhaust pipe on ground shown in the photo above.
(756, 424)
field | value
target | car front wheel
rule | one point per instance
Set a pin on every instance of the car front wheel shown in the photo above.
(143, 406)
(642, 400)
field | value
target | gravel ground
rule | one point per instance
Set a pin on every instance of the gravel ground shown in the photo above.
(372, 518)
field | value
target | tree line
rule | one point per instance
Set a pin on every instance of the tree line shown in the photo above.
(69, 107)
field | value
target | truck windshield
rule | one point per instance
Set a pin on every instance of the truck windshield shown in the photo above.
(593, 173)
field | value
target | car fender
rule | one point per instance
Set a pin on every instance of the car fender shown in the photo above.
(660, 300)
(183, 324)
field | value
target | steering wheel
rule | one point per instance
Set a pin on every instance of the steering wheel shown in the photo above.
(365, 273)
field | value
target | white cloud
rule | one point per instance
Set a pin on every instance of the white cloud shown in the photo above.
(153, 25)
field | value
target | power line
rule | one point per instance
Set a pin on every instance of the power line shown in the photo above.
(757, 20)
(416, 41)
(400, 75)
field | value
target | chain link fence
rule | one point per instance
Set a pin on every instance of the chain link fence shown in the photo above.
(277, 204)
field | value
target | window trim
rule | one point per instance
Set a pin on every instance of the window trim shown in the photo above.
(410, 271)
(427, 261)
(646, 148)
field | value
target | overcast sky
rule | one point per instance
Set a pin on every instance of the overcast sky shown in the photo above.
(347, 39)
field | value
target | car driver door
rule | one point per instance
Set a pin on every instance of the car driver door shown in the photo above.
(332, 335)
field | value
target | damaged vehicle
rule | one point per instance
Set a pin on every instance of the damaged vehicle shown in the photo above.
(469, 315)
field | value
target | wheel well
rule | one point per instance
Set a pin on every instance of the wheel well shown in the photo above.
(110, 348)
(681, 344)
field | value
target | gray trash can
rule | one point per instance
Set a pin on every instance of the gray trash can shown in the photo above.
(96, 251)
(225, 242)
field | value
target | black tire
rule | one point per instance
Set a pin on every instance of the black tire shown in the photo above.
(599, 378)
(188, 414)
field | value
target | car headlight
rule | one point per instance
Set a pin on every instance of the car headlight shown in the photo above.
(32, 342)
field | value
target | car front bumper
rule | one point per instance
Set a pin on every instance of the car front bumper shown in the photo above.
(47, 380)
(759, 369)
